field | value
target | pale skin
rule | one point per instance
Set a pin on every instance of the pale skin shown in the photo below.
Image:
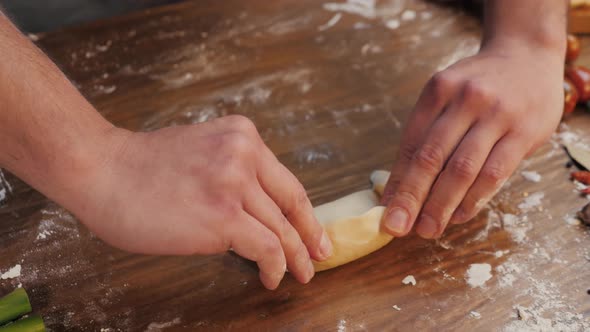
(207, 188)
(475, 121)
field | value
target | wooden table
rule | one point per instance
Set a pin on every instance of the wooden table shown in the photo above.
(329, 91)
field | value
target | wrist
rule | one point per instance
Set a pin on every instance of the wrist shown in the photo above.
(77, 181)
(547, 48)
(537, 25)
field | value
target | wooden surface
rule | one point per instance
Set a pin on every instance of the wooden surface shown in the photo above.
(329, 101)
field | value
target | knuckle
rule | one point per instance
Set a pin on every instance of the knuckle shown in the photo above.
(407, 151)
(494, 173)
(242, 124)
(301, 255)
(463, 168)
(272, 246)
(474, 91)
(284, 227)
(299, 200)
(441, 82)
(429, 157)
(407, 198)
(238, 143)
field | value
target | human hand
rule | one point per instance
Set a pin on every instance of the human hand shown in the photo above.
(205, 189)
(472, 125)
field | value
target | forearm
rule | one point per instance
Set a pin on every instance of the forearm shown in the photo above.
(50, 136)
(537, 23)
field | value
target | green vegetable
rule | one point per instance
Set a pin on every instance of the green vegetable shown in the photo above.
(32, 323)
(14, 305)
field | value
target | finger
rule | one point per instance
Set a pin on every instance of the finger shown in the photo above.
(261, 207)
(290, 196)
(456, 178)
(436, 94)
(257, 243)
(500, 164)
(415, 184)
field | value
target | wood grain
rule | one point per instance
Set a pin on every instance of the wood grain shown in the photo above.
(330, 104)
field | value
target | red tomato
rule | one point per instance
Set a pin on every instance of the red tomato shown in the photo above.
(580, 76)
(573, 48)
(571, 96)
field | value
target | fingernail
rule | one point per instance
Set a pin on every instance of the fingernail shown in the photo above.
(325, 246)
(427, 227)
(310, 272)
(397, 220)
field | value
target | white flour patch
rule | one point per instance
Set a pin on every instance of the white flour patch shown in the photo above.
(5, 187)
(364, 8)
(409, 280)
(105, 47)
(540, 304)
(408, 15)
(368, 9)
(104, 89)
(371, 49)
(396, 308)
(531, 201)
(13, 272)
(516, 226)
(500, 253)
(154, 327)
(508, 272)
(332, 22)
(342, 325)
(475, 314)
(564, 136)
(314, 155)
(531, 176)
(573, 221)
(392, 24)
(478, 274)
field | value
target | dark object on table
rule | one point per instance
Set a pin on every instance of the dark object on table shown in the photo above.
(584, 215)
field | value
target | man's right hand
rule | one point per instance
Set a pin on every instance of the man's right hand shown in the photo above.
(203, 189)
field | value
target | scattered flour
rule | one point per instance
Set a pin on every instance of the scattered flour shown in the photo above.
(5, 187)
(478, 274)
(342, 325)
(531, 201)
(564, 136)
(516, 226)
(332, 22)
(507, 272)
(572, 220)
(531, 176)
(501, 253)
(13, 272)
(408, 15)
(409, 280)
(396, 308)
(475, 314)
(154, 327)
(364, 8)
(392, 24)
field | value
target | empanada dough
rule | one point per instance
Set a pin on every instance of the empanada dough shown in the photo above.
(353, 223)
